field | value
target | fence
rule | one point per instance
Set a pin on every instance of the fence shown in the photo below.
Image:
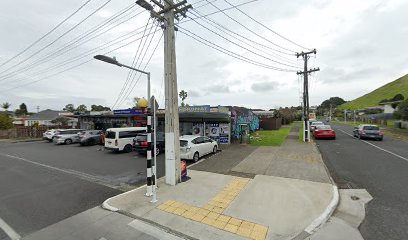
(27, 132)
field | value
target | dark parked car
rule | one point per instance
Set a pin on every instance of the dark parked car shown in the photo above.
(140, 143)
(368, 131)
(91, 137)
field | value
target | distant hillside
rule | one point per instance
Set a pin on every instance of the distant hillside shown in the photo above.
(387, 91)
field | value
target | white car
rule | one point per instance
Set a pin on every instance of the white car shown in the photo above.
(193, 147)
(121, 139)
(49, 134)
(314, 124)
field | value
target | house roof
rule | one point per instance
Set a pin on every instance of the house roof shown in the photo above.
(45, 115)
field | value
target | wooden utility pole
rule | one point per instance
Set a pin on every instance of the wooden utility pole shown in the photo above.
(305, 55)
(166, 15)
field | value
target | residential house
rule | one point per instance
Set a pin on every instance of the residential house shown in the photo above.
(47, 117)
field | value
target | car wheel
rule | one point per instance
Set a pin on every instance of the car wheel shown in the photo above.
(68, 141)
(215, 149)
(380, 139)
(196, 157)
(127, 148)
(91, 141)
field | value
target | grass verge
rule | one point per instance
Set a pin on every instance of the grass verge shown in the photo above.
(270, 137)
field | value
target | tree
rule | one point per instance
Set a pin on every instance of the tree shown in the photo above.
(5, 106)
(398, 97)
(99, 108)
(81, 108)
(5, 121)
(402, 112)
(183, 96)
(22, 110)
(63, 121)
(69, 108)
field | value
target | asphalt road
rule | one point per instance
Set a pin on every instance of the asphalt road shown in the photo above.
(379, 167)
(42, 183)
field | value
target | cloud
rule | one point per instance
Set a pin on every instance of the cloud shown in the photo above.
(264, 86)
(193, 93)
(218, 89)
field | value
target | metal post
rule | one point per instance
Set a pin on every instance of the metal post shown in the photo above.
(149, 155)
(148, 86)
(354, 116)
(154, 177)
(345, 115)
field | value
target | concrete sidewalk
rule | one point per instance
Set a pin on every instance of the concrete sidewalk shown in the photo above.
(288, 194)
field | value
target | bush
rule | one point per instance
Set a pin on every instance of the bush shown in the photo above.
(402, 112)
(5, 121)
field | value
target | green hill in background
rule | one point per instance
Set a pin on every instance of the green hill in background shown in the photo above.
(371, 99)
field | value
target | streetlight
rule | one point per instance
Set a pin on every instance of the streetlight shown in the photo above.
(149, 192)
(115, 62)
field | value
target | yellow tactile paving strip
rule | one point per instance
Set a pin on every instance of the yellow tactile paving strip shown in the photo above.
(212, 213)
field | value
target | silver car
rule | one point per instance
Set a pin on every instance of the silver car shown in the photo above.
(67, 136)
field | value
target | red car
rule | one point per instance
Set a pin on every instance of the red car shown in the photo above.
(324, 131)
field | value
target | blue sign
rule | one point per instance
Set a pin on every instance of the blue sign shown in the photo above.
(135, 111)
(202, 108)
(224, 140)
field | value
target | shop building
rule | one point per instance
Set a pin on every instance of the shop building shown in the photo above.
(223, 124)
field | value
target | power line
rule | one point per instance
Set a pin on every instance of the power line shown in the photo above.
(263, 25)
(253, 32)
(45, 35)
(230, 53)
(230, 32)
(219, 11)
(133, 65)
(70, 45)
(75, 66)
(127, 93)
(236, 44)
(94, 50)
(61, 36)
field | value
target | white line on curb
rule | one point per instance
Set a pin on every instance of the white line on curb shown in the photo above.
(106, 205)
(382, 149)
(9, 231)
(326, 213)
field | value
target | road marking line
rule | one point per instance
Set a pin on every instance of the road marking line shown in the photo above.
(9, 231)
(81, 175)
(382, 149)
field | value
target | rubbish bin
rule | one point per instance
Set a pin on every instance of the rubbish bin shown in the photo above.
(397, 124)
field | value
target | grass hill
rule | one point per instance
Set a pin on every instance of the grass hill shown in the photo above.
(371, 99)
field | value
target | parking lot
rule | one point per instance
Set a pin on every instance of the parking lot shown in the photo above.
(42, 183)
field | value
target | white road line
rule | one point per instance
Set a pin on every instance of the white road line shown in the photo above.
(81, 175)
(382, 149)
(9, 231)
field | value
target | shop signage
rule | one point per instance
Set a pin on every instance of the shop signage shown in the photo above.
(135, 111)
(202, 108)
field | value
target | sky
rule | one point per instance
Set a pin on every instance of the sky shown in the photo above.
(360, 45)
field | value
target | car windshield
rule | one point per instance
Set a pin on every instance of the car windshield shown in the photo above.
(141, 137)
(324, 127)
(110, 134)
(183, 143)
(317, 123)
(371, 128)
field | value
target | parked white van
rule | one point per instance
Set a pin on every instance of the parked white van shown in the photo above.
(121, 139)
